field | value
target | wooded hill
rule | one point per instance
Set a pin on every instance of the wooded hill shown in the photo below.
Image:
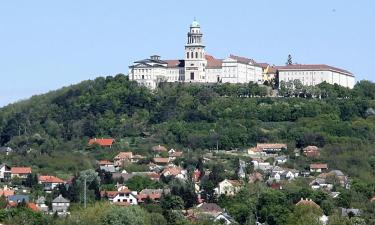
(51, 131)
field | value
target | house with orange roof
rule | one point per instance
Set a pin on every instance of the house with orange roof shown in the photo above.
(122, 196)
(311, 151)
(173, 154)
(318, 167)
(103, 142)
(20, 172)
(49, 182)
(175, 171)
(122, 157)
(6, 192)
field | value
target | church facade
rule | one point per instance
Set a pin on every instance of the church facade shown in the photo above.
(199, 67)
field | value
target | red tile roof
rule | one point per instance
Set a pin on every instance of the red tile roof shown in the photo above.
(105, 162)
(161, 160)
(50, 179)
(32, 206)
(308, 202)
(212, 62)
(172, 171)
(6, 192)
(174, 63)
(318, 166)
(102, 141)
(20, 170)
(318, 67)
(124, 155)
(110, 194)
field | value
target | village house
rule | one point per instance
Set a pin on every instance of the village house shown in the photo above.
(107, 166)
(336, 176)
(350, 212)
(160, 161)
(6, 191)
(103, 142)
(41, 204)
(20, 172)
(18, 198)
(175, 171)
(261, 165)
(159, 149)
(60, 206)
(282, 159)
(173, 154)
(123, 196)
(256, 152)
(311, 151)
(152, 194)
(255, 177)
(228, 187)
(318, 167)
(320, 183)
(122, 157)
(271, 148)
(224, 218)
(49, 182)
(5, 172)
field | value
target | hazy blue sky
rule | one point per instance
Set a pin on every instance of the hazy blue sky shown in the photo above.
(48, 44)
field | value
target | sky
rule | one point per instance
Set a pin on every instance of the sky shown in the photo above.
(45, 45)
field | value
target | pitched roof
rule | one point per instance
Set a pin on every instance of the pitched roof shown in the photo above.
(49, 179)
(124, 155)
(20, 170)
(241, 59)
(105, 162)
(318, 166)
(60, 199)
(307, 202)
(175, 154)
(271, 145)
(159, 148)
(212, 62)
(6, 192)
(160, 160)
(311, 148)
(318, 67)
(101, 141)
(210, 207)
(173, 171)
(175, 63)
(110, 194)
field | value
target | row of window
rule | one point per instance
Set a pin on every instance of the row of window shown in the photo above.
(191, 55)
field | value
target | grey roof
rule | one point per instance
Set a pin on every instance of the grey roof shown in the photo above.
(337, 173)
(19, 198)
(60, 199)
(210, 207)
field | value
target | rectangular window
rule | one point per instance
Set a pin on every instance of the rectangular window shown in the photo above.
(191, 76)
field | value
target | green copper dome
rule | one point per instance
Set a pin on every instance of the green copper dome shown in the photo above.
(195, 24)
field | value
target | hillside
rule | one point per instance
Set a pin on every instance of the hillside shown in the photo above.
(54, 126)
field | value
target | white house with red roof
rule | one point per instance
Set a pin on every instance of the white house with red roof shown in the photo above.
(49, 182)
(20, 172)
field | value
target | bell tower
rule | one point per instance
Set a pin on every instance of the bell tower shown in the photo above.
(195, 61)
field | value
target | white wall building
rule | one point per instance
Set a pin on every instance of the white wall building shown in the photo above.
(311, 75)
(196, 66)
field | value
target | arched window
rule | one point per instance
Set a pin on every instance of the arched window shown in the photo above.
(196, 55)
(192, 55)
(187, 54)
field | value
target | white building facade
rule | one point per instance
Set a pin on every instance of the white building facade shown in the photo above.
(199, 67)
(196, 67)
(311, 75)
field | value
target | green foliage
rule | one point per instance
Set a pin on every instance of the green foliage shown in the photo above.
(138, 183)
(126, 216)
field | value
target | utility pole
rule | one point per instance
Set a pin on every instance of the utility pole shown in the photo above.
(84, 193)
